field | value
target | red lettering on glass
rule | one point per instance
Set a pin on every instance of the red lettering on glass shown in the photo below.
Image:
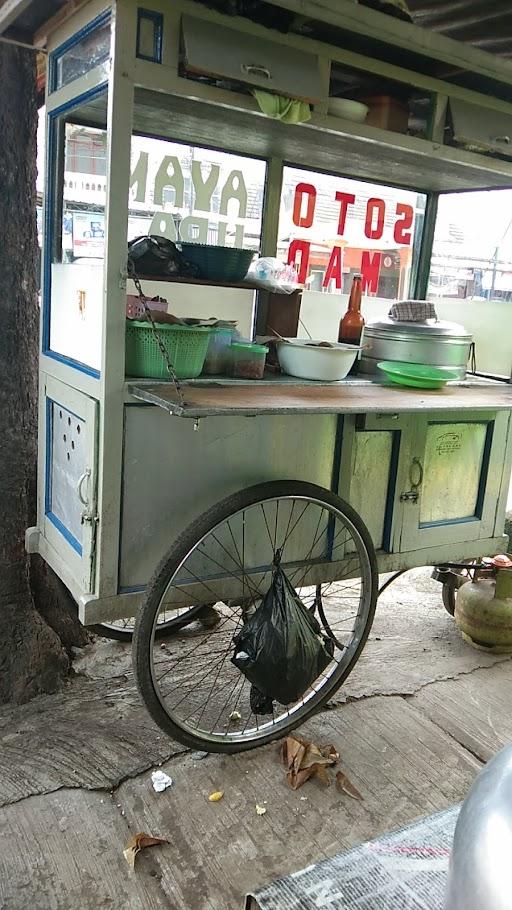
(345, 199)
(402, 232)
(301, 190)
(301, 247)
(333, 269)
(378, 207)
(370, 270)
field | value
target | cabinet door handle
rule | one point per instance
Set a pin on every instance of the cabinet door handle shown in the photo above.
(79, 489)
(256, 69)
(416, 463)
(415, 479)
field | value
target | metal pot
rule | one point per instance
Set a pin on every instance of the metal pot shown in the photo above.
(480, 875)
(437, 343)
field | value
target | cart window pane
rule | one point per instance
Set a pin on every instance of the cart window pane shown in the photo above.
(333, 227)
(215, 197)
(454, 458)
(471, 272)
(86, 50)
(75, 236)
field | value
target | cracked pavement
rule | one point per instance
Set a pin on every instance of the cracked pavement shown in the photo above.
(415, 720)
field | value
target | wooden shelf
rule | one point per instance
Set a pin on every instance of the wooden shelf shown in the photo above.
(251, 400)
(366, 152)
(205, 282)
(172, 279)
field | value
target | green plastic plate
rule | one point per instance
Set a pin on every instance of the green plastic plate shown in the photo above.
(417, 375)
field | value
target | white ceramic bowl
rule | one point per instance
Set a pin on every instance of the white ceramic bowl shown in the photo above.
(303, 360)
(349, 110)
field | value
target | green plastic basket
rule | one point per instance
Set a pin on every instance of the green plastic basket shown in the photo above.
(218, 263)
(186, 346)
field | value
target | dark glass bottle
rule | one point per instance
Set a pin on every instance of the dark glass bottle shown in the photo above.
(352, 324)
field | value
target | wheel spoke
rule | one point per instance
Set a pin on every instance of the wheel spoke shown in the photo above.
(204, 696)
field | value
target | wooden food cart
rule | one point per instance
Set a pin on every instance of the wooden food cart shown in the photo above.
(180, 504)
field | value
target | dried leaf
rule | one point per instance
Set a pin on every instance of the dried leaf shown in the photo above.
(139, 842)
(345, 785)
(216, 796)
(320, 771)
(260, 810)
(235, 716)
(304, 759)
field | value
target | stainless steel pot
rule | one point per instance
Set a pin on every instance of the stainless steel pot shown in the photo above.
(437, 343)
(480, 875)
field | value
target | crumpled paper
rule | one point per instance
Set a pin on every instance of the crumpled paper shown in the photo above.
(161, 781)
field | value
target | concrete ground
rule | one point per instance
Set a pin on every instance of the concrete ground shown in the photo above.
(414, 723)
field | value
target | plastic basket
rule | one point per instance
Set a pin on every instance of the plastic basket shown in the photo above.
(186, 346)
(218, 263)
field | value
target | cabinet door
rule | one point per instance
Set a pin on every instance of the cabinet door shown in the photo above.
(478, 129)
(455, 470)
(214, 50)
(70, 479)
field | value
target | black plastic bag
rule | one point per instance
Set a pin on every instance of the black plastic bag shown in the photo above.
(260, 703)
(280, 649)
(155, 255)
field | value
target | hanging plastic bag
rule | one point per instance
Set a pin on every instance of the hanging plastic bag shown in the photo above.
(280, 649)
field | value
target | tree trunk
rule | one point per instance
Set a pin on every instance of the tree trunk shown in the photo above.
(33, 655)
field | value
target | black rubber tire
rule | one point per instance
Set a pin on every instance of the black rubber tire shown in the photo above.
(449, 594)
(164, 629)
(142, 637)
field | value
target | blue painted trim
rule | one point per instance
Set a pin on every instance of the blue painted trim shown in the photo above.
(390, 498)
(48, 459)
(484, 473)
(75, 364)
(59, 51)
(49, 227)
(335, 479)
(56, 522)
(336, 459)
(444, 523)
(66, 533)
(158, 22)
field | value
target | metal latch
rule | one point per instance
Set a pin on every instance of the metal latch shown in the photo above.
(416, 479)
(87, 513)
(410, 496)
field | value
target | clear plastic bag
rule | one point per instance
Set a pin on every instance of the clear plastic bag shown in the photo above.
(274, 275)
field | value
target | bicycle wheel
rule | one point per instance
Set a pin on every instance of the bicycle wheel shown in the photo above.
(169, 622)
(192, 689)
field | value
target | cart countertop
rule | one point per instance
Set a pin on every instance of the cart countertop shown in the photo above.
(229, 398)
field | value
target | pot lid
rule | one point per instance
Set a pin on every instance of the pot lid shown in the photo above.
(430, 327)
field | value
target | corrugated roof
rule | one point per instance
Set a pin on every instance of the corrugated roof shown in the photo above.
(486, 24)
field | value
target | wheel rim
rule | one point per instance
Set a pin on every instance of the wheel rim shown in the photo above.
(196, 684)
(167, 620)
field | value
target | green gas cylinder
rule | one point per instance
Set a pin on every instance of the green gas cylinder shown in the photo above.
(483, 612)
